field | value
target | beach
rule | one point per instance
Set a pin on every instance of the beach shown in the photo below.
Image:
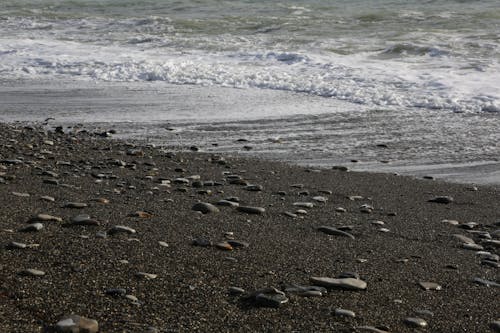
(144, 238)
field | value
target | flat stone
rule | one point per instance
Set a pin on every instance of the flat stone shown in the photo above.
(77, 324)
(271, 297)
(235, 291)
(120, 292)
(486, 283)
(473, 247)
(307, 291)
(47, 198)
(78, 205)
(202, 242)
(16, 245)
(32, 272)
(290, 214)
(227, 203)
(141, 214)
(224, 246)
(251, 210)
(164, 244)
(345, 313)
(46, 218)
(32, 227)
(121, 229)
(254, 188)
(19, 194)
(320, 199)
(415, 322)
(342, 283)
(334, 231)
(205, 208)
(442, 199)
(238, 243)
(147, 276)
(430, 286)
(495, 326)
(304, 204)
(340, 210)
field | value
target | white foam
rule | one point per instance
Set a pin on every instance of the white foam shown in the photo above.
(432, 80)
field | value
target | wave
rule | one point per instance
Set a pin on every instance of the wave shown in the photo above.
(359, 78)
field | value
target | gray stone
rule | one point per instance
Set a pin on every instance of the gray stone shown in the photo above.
(320, 199)
(415, 322)
(227, 203)
(342, 283)
(486, 283)
(78, 205)
(45, 218)
(304, 204)
(205, 208)
(32, 272)
(77, 324)
(235, 291)
(442, 199)
(345, 313)
(251, 210)
(254, 188)
(116, 292)
(495, 326)
(121, 229)
(32, 227)
(238, 243)
(270, 297)
(147, 276)
(307, 291)
(430, 286)
(334, 231)
(290, 214)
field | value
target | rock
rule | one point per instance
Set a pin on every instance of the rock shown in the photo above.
(304, 204)
(495, 326)
(31, 272)
(334, 231)
(47, 198)
(121, 229)
(340, 210)
(164, 244)
(205, 208)
(45, 218)
(473, 247)
(181, 181)
(251, 210)
(224, 246)
(486, 283)
(32, 227)
(16, 245)
(464, 239)
(227, 203)
(237, 243)
(345, 313)
(269, 297)
(78, 205)
(430, 286)
(320, 199)
(120, 292)
(202, 242)
(254, 188)
(77, 324)
(141, 214)
(415, 322)
(306, 291)
(22, 195)
(371, 329)
(341, 283)
(235, 291)
(290, 214)
(442, 199)
(147, 276)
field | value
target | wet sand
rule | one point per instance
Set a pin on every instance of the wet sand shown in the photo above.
(191, 289)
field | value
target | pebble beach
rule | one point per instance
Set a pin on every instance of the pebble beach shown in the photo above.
(104, 235)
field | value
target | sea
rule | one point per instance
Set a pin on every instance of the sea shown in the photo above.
(399, 86)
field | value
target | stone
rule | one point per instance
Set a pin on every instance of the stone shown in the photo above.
(270, 297)
(464, 239)
(224, 246)
(442, 199)
(495, 326)
(340, 210)
(164, 244)
(344, 313)
(227, 203)
(78, 205)
(334, 231)
(47, 198)
(32, 227)
(235, 291)
(473, 247)
(486, 283)
(237, 243)
(16, 245)
(430, 286)
(320, 199)
(341, 283)
(205, 208)
(202, 242)
(117, 292)
(304, 204)
(141, 214)
(371, 329)
(31, 272)
(77, 324)
(290, 214)
(19, 194)
(46, 218)
(254, 188)
(306, 291)
(415, 322)
(121, 229)
(147, 276)
(251, 210)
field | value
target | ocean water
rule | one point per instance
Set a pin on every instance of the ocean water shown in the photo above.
(315, 82)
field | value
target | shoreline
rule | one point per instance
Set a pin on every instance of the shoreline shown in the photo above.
(399, 240)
